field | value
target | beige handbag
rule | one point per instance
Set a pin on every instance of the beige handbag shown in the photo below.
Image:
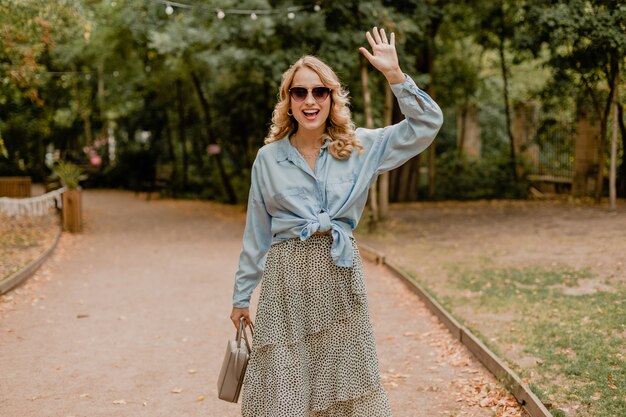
(234, 366)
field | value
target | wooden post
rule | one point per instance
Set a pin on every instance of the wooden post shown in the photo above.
(72, 211)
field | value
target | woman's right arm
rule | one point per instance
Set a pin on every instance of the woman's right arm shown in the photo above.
(257, 238)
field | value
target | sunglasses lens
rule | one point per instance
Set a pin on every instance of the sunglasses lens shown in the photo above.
(298, 93)
(321, 93)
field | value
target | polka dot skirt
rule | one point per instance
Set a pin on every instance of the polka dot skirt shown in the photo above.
(313, 352)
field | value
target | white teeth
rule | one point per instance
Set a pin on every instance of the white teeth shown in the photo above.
(310, 111)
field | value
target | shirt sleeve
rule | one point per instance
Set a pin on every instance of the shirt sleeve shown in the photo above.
(257, 238)
(402, 141)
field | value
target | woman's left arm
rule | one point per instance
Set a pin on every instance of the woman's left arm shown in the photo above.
(394, 145)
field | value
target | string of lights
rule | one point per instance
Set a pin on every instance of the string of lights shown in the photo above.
(170, 8)
(64, 74)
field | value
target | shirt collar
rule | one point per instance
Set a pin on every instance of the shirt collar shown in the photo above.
(284, 149)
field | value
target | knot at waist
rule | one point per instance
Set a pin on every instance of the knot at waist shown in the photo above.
(324, 222)
(341, 249)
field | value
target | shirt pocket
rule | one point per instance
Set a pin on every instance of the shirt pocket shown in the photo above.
(339, 188)
(291, 199)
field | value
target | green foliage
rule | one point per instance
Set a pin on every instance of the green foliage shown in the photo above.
(75, 72)
(482, 178)
(9, 168)
(68, 173)
(3, 149)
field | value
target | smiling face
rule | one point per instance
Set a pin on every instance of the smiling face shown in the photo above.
(310, 115)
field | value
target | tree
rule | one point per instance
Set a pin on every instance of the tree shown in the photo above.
(587, 42)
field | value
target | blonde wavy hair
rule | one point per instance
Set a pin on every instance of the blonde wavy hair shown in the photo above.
(339, 125)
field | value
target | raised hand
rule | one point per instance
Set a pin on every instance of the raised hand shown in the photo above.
(384, 56)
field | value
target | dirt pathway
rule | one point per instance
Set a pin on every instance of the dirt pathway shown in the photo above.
(130, 318)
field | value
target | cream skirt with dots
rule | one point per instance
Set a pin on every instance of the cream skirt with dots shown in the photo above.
(313, 352)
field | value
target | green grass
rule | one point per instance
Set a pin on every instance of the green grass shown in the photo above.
(580, 340)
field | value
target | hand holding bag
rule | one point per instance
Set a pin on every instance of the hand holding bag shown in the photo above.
(234, 366)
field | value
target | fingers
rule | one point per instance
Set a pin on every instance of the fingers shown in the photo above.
(379, 37)
(366, 53)
(237, 314)
(376, 35)
(236, 320)
(370, 40)
(383, 35)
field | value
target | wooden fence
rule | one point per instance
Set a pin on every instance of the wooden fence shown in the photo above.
(15, 187)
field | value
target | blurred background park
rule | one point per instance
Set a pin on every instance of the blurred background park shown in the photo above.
(183, 92)
(176, 98)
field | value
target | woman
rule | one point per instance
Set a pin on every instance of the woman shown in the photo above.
(313, 351)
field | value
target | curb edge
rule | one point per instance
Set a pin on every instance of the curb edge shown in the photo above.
(522, 393)
(17, 278)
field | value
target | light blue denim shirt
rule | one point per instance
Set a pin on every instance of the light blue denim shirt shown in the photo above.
(289, 200)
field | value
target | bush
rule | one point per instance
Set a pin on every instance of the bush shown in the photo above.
(482, 178)
(133, 167)
(9, 168)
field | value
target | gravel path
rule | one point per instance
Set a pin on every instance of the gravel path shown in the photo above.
(130, 318)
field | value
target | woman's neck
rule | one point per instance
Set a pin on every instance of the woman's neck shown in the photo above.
(310, 139)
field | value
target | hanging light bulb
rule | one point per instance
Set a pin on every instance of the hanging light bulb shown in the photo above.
(221, 14)
(291, 15)
(169, 10)
(317, 8)
(253, 16)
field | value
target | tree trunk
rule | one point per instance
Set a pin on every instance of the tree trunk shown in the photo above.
(226, 183)
(101, 94)
(404, 180)
(181, 131)
(170, 141)
(383, 181)
(369, 123)
(461, 122)
(622, 128)
(83, 110)
(611, 74)
(613, 172)
(585, 150)
(171, 152)
(434, 28)
(601, 155)
(507, 110)
(413, 182)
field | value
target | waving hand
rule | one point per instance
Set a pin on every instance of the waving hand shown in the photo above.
(383, 56)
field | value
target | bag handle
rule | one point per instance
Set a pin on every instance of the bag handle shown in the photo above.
(241, 332)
